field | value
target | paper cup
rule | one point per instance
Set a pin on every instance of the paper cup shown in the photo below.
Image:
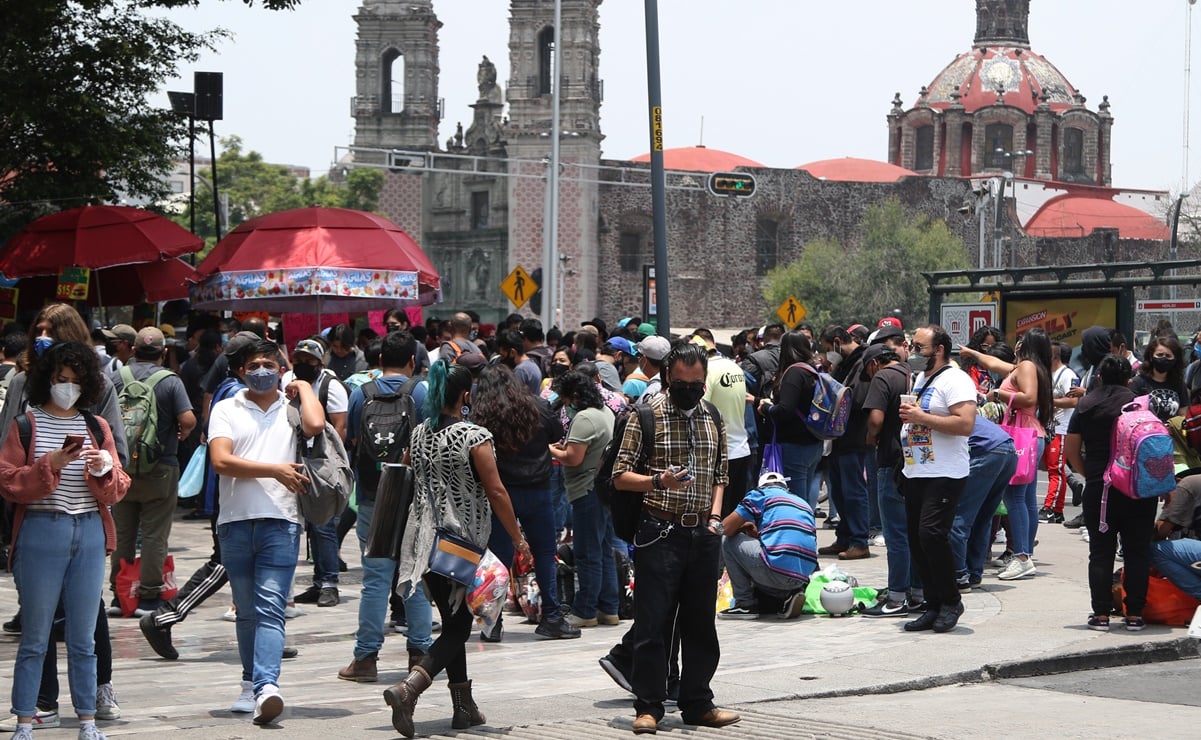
(908, 398)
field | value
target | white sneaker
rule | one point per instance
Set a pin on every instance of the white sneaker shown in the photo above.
(1017, 568)
(90, 732)
(106, 703)
(231, 614)
(292, 612)
(877, 541)
(1084, 535)
(245, 701)
(23, 733)
(39, 720)
(268, 706)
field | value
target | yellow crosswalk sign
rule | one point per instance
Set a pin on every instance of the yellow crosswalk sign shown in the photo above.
(791, 312)
(518, 286)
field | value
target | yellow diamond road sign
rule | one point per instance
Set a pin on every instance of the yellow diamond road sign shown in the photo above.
(518, 286)
(791, 312)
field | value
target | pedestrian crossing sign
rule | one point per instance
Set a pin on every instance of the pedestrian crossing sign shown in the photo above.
(518, 286)
(791, 312)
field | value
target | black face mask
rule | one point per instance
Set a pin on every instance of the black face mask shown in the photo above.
(685, 396)
(306, 372)
(557, 371)
(1163, 364)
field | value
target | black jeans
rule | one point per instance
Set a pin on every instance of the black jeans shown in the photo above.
(449, 650)
(677, 580)
(1134, 521)
(930, 505)
(736, 489)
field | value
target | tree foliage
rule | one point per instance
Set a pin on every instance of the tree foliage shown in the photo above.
(252, 187)
(861, 282)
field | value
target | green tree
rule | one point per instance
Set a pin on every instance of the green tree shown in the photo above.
(845, 284)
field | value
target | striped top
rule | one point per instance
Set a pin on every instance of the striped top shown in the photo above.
(72, 495)
(787, 531)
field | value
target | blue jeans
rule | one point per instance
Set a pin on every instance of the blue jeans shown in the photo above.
(259, 556)
(59, 557)
(971, 533)
(534, 508)
(1175, 558)
(848, 490)
(595, 568)
(558, 493)
(373, 601)
(1022, 503)
(324, 541)
(901, 573)
(744, 563)
(800, 467)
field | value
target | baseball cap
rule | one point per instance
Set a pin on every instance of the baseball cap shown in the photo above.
(646, 330)
(772, 478)
(622, 323)
(310, 347)
(654, 347)
(885, 332)
(890, 321)
(150, 337)
(873, 352)
(124, 332)
(473, 361)
(239, 342)
(622, 344)
(599, 323)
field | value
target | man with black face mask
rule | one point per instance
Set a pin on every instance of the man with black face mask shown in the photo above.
(512, 353)
(679, 541)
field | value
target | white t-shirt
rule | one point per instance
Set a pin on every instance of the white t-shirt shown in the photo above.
(725, 388)
(931, 454)
(337, 401)
(261, 436)
(1061, 382)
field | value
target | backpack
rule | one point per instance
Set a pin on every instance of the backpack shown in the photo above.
(139, 414)
(625, 506)
(1191, 425)
(1140, 458)
(385, 425)
(327, 467)
(826, 417)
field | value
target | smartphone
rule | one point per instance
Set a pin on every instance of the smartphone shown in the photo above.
(675, 470)
(73, 441)
(1075, 382)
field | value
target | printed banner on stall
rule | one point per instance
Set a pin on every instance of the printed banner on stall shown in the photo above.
(1062, 318)
(309, 281)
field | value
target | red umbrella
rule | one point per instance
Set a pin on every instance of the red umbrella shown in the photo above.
(315, 259)
(94, 236)
(124, 285)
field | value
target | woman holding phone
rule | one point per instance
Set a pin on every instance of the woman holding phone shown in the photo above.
(63, 484)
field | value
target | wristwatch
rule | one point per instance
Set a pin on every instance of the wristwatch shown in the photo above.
(716, 526)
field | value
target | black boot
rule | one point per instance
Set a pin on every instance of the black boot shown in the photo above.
(403, 699)
(467, 714)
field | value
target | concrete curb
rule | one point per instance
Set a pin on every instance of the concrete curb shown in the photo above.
(1182, 648)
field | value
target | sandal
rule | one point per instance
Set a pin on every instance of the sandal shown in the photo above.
(1099, 622)
(1135, 624)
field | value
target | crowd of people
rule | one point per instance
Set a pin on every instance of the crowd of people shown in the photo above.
(504, 429)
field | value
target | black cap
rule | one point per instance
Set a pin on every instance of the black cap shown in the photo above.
(600, 325)
(887, 332)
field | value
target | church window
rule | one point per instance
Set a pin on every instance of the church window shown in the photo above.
(479, 209)
(924, 153)
(632, 251)
(767, 245)
(546, 60)
(998, 136)
(1073, 151)
(392, 77)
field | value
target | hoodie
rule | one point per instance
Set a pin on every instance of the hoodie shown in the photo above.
(1094, 345)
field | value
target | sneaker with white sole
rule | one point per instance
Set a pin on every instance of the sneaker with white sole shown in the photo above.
(1016, 569)
(877, 541)
(738, 612)
(886, 608)
(292, 612)
(90, 732)
(792, 605)
(231, 614)
(39, 721)
(22, 733)
(245, 700)
(106, 703)
(268, 705)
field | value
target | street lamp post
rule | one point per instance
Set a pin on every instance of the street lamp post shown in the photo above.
(1172, 251)
(1008, 176)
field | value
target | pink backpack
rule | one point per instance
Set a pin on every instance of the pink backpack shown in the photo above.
(1140, 457)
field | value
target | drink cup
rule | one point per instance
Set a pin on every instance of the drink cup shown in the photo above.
(908, 398)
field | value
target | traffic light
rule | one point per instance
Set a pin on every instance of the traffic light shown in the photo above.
(536, 298)
(738, 184)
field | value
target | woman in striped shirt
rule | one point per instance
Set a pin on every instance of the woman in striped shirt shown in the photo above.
(63, 486)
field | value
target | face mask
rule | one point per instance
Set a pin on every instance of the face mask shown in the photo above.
(261, 380)
(41, 344)
(1163, 364)
(919, 362)
(472, 334)
(833, 358)
(306, 372)
(64, 395)
(558, 371)
(686, 396)
(224, 337)
(1197, 349)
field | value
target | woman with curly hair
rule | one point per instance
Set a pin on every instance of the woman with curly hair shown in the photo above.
(63, 484)
(596, 599)
(523, 427)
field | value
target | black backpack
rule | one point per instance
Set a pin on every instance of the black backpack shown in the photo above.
(385, 426)
(625, 506)
(25, 432)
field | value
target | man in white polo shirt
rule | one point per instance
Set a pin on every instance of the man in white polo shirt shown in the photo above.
(253, 449)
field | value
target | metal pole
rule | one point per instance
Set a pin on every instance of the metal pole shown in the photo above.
(550, 258)
(658, 178)
(216, 200)
(997, 186)
(192, 174)
(1172, 252)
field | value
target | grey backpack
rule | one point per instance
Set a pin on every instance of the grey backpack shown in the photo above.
(327, 466)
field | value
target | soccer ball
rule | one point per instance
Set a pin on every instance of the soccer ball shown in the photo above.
(838, 598)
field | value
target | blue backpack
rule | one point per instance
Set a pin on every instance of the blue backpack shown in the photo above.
(826, 417)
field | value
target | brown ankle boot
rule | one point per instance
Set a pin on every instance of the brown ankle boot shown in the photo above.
(415, 657)
(360, 671)
(467, 714)
(403, 699)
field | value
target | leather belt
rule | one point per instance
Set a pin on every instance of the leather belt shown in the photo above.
(687, 519)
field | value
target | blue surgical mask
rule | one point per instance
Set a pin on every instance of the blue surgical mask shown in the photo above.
(41, 344)
(261, 380)
(1197, 349)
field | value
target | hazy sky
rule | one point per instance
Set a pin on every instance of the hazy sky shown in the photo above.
(783, 82)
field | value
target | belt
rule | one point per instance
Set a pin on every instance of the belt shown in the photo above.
(687, 519)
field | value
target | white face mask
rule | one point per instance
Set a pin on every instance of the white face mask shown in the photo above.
(64, 395)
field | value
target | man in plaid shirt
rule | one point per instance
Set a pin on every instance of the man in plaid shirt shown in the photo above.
(678, 541)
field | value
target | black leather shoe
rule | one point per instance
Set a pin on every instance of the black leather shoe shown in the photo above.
(924, 622)
(309, 595)
(948, 617)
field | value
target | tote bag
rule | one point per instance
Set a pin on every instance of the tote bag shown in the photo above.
(1025, 440)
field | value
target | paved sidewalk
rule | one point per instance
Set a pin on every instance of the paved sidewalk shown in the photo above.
(556, 690)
